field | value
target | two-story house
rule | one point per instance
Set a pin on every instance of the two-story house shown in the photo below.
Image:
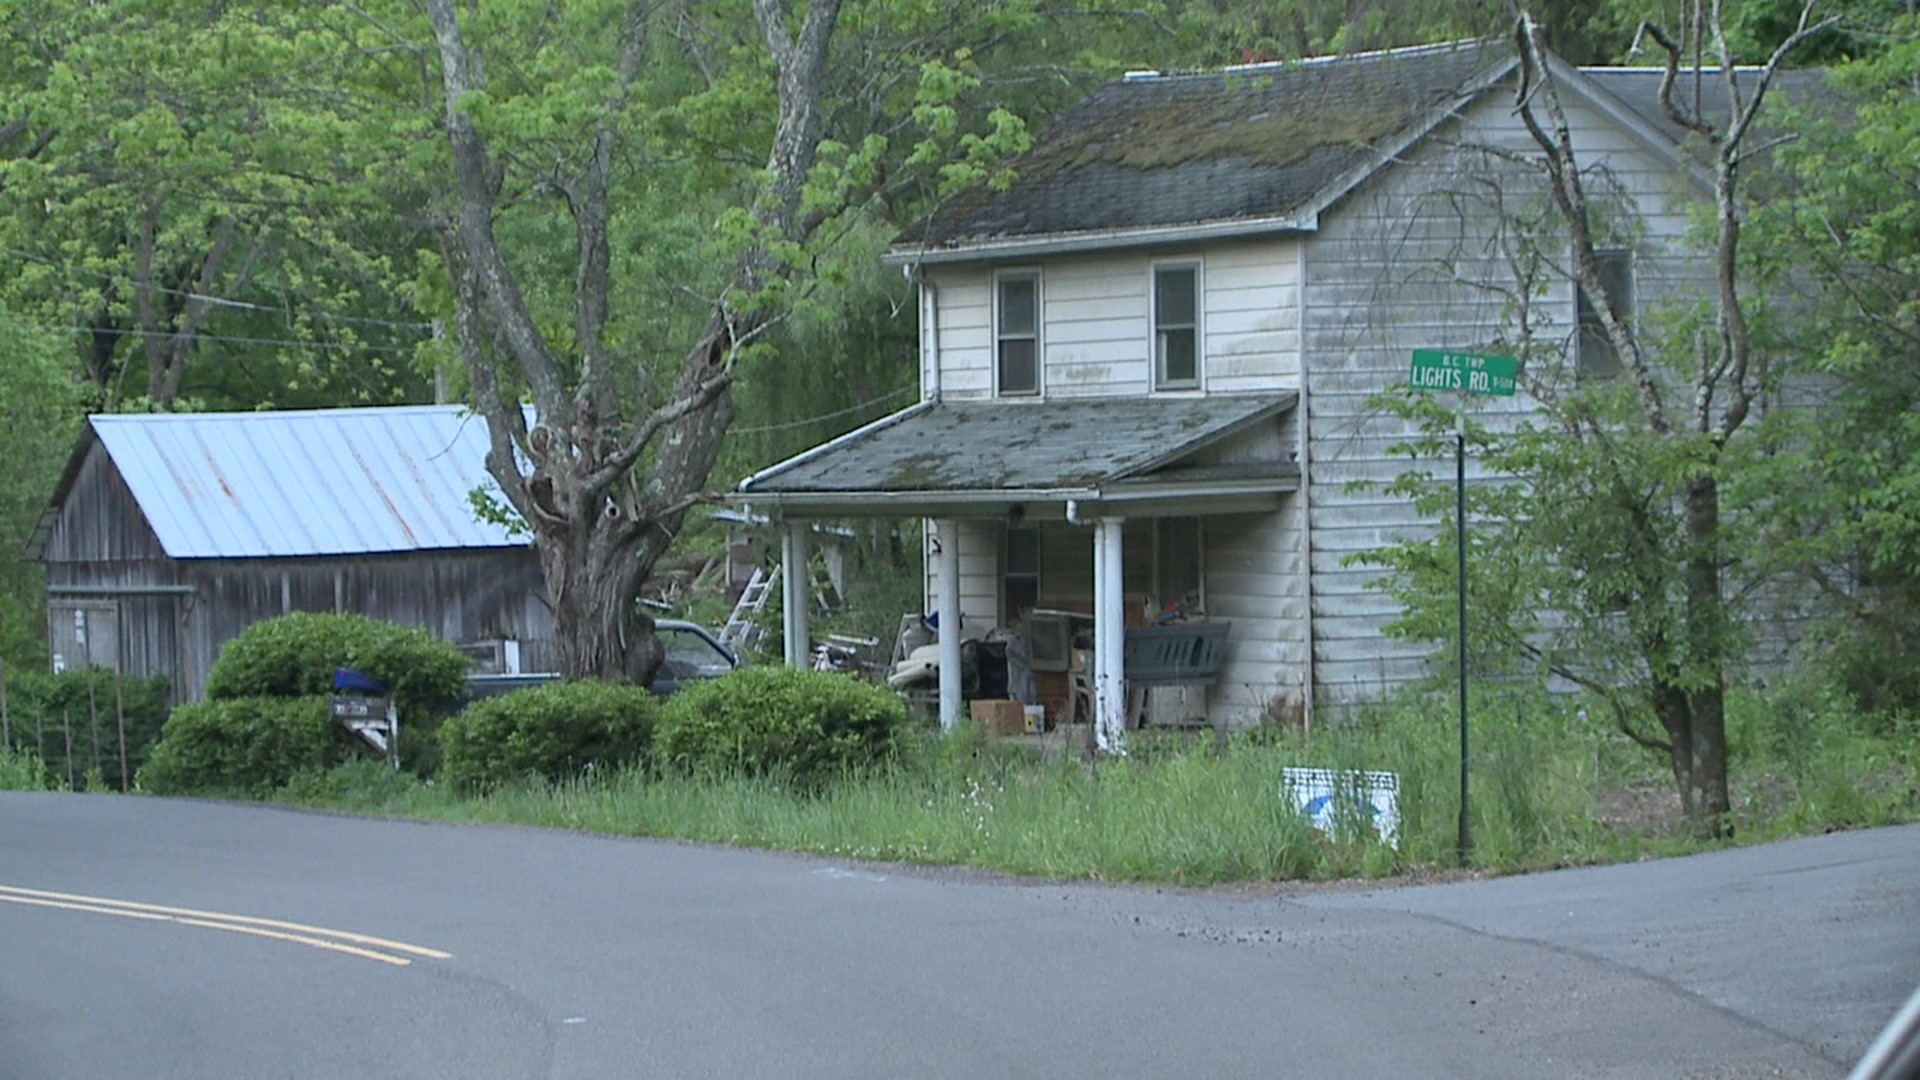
(1146, 364)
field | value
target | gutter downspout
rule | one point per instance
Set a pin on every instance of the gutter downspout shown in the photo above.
(930, 340)
(1310, 676)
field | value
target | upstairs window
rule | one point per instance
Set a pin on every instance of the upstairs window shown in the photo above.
(1598, 359)
(1017, 333)
(1176, 326)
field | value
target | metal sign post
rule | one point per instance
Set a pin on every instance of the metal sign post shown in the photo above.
(1465, 374)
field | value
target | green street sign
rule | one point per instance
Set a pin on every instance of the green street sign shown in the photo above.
(1472, 373)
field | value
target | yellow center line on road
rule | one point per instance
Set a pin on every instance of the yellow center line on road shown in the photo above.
(215, 920)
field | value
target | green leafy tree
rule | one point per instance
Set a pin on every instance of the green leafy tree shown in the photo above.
(1612, 546)
(41, 408)
(1840, 482)
(178, 195)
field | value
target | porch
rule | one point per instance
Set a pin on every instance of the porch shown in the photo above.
(1064, 521)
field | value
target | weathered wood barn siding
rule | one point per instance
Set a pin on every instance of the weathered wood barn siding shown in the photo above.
(173, 615)
(1403, 264)
(103, 556)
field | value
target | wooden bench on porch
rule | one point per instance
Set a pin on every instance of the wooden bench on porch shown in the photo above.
(1174, 654)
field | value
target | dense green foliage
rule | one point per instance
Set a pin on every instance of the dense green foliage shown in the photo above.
(72, 721)
(22, 770)
(804, 726)
(40, 410)
(241, 746)
(1840, 484)
(296, 655)
(550, 732)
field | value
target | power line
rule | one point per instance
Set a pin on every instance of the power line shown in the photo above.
(218, 301)
(827, 416)
(110, 331)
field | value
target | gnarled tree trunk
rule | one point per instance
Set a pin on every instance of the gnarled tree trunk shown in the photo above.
(599, 521)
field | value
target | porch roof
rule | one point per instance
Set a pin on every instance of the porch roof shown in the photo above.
(977, 458)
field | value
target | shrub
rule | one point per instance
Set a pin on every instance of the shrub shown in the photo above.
(54, 701)
(295, 656)
(806, 725)
(22, 770)
(241, 746)
(551, 731)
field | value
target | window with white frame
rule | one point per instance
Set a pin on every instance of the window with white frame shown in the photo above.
(1598, 359)
(1016, 329)
(1176, 326)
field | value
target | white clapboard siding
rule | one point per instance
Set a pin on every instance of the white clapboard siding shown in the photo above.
(979, 572)
(1394, 268)
(1095, 335)
(965, 321)
(1251, 316)
(1255, 578)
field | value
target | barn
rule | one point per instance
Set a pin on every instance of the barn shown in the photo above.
(170, 533)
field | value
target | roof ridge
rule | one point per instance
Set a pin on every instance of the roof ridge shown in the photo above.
(1294, 63)
(271, 414)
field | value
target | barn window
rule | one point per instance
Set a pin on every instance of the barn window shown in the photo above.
(1598, 358)
(1016, 313)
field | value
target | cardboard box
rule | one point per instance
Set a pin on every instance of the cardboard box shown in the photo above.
(1000, 717)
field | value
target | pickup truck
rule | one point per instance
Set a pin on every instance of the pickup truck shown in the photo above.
(692, 653)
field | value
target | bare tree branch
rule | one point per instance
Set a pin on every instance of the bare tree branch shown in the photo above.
(1569, 194)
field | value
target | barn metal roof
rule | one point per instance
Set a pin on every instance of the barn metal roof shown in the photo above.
(308, 483)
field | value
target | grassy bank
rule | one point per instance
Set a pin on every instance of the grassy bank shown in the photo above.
(1551, 786)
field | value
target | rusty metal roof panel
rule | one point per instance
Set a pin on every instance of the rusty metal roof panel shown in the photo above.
(309, 483)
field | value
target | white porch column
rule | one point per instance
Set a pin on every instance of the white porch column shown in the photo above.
(1109, 637)
(947, 607)
(795, 577)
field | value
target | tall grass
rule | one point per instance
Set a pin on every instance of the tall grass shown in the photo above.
(1203, 813)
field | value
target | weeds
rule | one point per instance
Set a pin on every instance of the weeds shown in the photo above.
(22, 770)
(1207, 812)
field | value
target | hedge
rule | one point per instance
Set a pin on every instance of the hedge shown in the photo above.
(41, 710)
(551, 732)
(807, 726)
(295, 656)
(242, 746)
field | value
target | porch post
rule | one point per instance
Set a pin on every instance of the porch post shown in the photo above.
(795, 577)
(947, 607)
(1109, 637)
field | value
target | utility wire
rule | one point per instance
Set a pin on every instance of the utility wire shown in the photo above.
(116, 332)
(74, 273)
(827, 416)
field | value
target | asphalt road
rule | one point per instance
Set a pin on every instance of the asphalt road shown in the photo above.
(499, 952)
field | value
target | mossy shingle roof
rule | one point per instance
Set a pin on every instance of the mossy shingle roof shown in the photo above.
(1037, 446)
(1261, 142)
